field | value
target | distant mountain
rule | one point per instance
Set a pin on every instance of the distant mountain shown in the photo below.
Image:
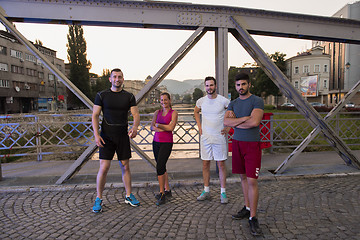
(181, 87)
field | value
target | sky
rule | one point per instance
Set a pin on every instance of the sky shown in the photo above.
(142, 52)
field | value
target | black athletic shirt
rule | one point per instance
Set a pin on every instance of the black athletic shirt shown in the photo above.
(115, 107)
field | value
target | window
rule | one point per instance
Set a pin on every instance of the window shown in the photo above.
(4, 83)
(4, 67)
(325, 83)
(31, 72)
(296, 70)
(51, 77)
(326, 68)
(30, 58)
(317, 68)
(306, 69)
(16, 54)
(3, 50)
(296, 84)
(17, 69)
(41, 75)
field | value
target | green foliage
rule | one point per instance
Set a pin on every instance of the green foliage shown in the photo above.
(187, 98)
(79, 65)
(101, 83)
(197, 94)
(264, 86)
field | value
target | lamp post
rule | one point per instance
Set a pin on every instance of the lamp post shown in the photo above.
(342, 75)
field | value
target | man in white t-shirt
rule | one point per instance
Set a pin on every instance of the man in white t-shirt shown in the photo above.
(212, 136)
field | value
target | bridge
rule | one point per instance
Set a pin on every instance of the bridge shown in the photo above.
(242, 23)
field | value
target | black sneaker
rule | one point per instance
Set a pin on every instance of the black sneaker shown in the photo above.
(167, 194)
(243, 213)
(254, 227)
(161, 200)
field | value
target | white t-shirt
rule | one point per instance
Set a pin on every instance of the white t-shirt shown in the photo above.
(212, 122)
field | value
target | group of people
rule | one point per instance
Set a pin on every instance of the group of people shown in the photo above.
(218, 115)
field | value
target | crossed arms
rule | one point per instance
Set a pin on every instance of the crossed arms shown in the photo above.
(244, 122)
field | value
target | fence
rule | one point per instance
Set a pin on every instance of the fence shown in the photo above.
(66, 136)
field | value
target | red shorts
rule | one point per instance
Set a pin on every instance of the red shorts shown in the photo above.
(246, 158)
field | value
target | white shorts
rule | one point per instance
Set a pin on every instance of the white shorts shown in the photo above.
(213, 151)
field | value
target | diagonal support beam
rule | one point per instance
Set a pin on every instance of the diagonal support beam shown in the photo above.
(282, 167)
(274, 73)
(171, 63)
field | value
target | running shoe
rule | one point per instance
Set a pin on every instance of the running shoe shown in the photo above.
(97, 205)
(167, 194)
(254, 227)
(161, 200)
(223, 198)
(204, 196)
(243, 213)
(132, 201)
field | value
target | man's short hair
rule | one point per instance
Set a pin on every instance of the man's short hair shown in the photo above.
(242, 76)
(115, 70)
(210, 78)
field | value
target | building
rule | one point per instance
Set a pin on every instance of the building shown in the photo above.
(25, 83)
(309, 72)
(344, 60)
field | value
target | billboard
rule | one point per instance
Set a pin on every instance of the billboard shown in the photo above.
(308, 86)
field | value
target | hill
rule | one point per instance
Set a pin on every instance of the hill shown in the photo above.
(181, 87)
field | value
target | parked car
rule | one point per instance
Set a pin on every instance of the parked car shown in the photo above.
(317, 104)
(287, 105)
(349, 105)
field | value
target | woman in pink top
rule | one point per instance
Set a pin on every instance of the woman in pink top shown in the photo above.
(163, 123)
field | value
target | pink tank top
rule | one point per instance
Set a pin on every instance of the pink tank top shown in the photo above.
(164, 136)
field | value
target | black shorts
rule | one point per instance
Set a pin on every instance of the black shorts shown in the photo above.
(119, 144)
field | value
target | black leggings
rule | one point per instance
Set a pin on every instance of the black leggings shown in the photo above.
(162, 153)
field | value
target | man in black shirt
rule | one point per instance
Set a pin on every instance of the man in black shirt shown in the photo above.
(115, 104)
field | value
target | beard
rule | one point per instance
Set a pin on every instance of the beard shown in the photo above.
(211, 92)
(244, 92)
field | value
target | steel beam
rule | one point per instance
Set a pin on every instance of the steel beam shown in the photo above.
(221, 60)
(167, 15)
(282, 167)
(310, 114)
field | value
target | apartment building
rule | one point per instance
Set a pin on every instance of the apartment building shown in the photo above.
(26, 85)
(309, 72)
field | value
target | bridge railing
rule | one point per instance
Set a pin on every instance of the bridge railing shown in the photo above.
(66, 136)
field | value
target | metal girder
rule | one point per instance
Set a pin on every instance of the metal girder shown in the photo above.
(282, 167)
(221, 60)
(171, 63)
(167, 15)
(310, 114)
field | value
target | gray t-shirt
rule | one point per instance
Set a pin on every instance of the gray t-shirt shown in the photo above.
(243, 108)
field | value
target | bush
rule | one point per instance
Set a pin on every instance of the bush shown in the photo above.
(269, 107)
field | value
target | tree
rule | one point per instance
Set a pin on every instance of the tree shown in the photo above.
(102, 82)
(79, 65)
(197, 94)
(264, 86)
(187, 98)
(38, 42)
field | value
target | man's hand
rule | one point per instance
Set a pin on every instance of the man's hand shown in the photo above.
(99, 141)
(133, 132)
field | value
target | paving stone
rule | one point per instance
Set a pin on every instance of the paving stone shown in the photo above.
(301, 208)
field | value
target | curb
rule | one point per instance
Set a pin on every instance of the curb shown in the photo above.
(174, 183)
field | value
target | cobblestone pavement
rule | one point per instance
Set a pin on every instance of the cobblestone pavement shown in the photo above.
(301, 208)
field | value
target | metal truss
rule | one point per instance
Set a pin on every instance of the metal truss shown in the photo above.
(241, 22)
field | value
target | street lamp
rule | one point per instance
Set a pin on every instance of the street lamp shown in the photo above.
(342, 75)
